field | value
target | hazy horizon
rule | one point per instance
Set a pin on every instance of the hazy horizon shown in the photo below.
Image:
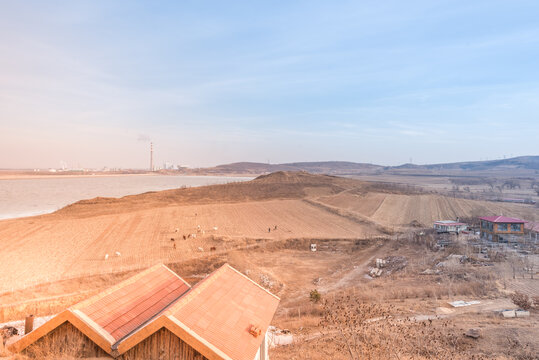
(240, 161)
(90, 84)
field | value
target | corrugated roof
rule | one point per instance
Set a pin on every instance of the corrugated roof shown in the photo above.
(133, 302)
(222, 308)
(448, 222)
(502, 219)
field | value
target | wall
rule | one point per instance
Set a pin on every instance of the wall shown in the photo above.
(495, 232)
(509, 231)
(64, 342)
(162, 345)
(262, 353)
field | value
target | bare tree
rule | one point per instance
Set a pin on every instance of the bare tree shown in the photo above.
(511, 184)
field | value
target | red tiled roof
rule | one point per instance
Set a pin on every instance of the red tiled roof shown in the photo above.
(214, 317)
(221, 308)
(502, 219)
(135, 301)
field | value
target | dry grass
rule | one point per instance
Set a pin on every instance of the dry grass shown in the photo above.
(74, 241)
(71, 245)
(71, 248)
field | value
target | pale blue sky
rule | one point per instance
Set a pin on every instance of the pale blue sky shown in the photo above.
(212, 82)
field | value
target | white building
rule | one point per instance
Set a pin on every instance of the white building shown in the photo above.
(447, 226)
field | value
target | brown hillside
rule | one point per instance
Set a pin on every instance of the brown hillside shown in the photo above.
(281, 206)
(279, 185)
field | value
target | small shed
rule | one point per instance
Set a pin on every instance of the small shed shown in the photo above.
(449, 226)
(157, 315)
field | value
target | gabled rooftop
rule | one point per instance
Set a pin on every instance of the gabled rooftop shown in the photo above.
(223, 307)
(216, 317)
(502, 219)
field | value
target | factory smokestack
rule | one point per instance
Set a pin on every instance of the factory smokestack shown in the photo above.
(151, 156)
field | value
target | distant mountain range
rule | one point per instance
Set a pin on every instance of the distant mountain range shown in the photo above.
(518, 166)
(325, 167)
(521, 162)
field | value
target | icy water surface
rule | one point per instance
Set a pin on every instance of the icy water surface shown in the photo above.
(28, 197)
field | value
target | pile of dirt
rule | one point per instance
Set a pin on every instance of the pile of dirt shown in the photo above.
(415, 224)
(299, 177)
(387, 265)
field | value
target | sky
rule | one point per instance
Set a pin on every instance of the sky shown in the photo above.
(91, 83)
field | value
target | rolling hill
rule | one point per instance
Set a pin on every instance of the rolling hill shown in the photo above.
(523, 165)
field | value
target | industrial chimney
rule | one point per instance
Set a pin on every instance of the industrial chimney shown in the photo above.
(151, 156)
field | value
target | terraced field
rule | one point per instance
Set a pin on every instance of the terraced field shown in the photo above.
(402, 209)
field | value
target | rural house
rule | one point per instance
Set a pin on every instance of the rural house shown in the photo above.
(448, 226)
(157, 315)
(501, 228)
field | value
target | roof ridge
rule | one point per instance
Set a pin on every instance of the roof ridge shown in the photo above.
(197, 289)
(216, 350)
(175, 312)
(502, 218)
(203, 284)
(254, 282)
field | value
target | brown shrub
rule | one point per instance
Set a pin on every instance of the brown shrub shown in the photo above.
(522, 300)
(373, 331)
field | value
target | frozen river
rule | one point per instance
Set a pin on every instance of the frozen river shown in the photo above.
(35, 196)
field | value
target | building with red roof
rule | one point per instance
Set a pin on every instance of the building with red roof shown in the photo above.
(501, 228)
(157, 315)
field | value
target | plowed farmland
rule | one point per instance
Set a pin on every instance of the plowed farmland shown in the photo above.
(402, 209)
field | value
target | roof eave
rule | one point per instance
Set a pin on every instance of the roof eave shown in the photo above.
(87, 328)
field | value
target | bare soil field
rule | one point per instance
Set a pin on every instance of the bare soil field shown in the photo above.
(75, 241)
(402, 209)
(60, 247)
(137, 231)
(423, 299)
(264, 228)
